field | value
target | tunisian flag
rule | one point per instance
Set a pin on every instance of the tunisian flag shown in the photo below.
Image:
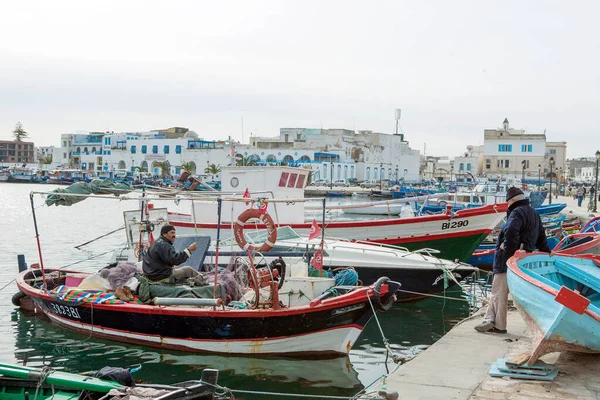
(262, 209)
(315, 231)
(317, 260)
(246, 196)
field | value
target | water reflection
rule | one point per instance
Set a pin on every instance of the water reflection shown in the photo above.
(39, 343)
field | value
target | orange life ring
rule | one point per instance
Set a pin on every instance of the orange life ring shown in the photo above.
(238, 230)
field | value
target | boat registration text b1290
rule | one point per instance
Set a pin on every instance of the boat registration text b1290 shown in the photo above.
(455, 224)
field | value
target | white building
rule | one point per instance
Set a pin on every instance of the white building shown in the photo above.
(339, 153)
(513, 153)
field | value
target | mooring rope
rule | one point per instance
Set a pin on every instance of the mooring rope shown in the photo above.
(224, 389)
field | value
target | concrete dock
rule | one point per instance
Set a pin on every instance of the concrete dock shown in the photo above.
(457, 366)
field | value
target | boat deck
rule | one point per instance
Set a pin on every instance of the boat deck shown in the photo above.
(457, 367)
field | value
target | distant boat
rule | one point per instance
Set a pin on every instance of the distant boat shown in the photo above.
(335, 193)
(5, 175)
(24, 175)
(579, 243)
(559, 298)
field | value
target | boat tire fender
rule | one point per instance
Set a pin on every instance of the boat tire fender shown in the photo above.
(16, 298)
(281, 267)
(238, 230)
(383, 303)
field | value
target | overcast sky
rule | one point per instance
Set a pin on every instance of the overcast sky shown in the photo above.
(455, 68)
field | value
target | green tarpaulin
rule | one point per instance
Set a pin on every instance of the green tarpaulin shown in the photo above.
(97, 186)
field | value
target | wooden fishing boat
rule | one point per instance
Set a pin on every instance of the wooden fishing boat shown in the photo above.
(19, 382)
(559, 297)
(579, 243)
(262, 309)
(593, 225)
(317, 317)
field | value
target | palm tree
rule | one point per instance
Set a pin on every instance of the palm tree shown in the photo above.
(164, 166)
(242, 161)
(189, 166)
(212, 169)
(19, 133)
(141, 169)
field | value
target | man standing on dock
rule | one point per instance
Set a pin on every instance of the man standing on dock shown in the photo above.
(523, 230)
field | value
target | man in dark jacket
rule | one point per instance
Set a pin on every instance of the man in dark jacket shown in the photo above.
(161, 258)
(523, 230)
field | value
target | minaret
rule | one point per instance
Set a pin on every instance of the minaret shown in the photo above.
(505, 124)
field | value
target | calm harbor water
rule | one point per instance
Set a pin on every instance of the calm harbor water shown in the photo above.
(32, 340)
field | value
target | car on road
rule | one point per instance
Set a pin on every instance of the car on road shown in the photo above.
(341, 182)
(320, 182)
(371, 183)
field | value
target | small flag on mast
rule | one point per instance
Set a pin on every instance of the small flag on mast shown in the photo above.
(315, 231)
(263, 208)
(246, 196)
(317, 261)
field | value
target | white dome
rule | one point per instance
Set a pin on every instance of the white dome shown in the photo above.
(191, 134)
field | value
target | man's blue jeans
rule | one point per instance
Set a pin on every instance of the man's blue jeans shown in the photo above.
(579, 200)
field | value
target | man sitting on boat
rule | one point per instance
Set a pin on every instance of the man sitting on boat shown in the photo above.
(523, 230)
(161, 259)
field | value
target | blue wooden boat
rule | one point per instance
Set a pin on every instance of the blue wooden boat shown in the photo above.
(550, 209)
(559, 297)
(593, 225)
(335, 193)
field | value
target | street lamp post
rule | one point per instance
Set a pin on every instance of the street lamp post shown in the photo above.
(451, 171)
(550, 194)
(380, 176)
(331, 176)
(539, 176)
(523, 163)
(596, 186)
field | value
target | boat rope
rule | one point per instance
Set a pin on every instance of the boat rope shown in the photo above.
(224, 390)
(89, 258)
(42, 378)
(386, 342)
(432, 295)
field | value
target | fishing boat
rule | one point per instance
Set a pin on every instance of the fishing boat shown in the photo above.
(335, 193)
(579, 243)
(455, 234)
(284, 311)
(325, 320)
(24, 175)
(420, 272)
(19, 382)
(5, 175)
(559, 298)
(593, 225)
(68, 176)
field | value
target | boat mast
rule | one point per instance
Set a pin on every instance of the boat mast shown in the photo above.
(37, 237)
(219, 202)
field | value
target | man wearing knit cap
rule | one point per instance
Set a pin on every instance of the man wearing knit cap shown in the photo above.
(523, 230)
(161, 259)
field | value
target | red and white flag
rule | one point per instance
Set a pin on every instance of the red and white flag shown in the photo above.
(246, 196)
(315, 231)
(317, 261)
(263, 208)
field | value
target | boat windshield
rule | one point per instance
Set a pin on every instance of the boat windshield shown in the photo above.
(259, 236)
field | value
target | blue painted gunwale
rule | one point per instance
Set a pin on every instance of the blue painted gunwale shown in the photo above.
(535, 296)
